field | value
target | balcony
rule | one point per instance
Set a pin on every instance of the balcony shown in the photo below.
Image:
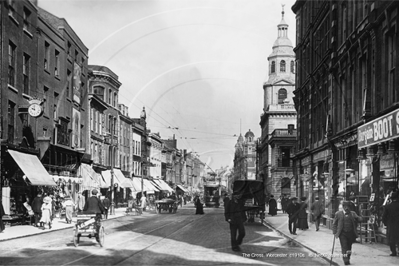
(282, 135)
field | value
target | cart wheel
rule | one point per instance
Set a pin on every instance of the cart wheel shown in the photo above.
(76, 237)
(101, 236)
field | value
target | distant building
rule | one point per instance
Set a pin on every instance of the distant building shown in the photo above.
(245, 157)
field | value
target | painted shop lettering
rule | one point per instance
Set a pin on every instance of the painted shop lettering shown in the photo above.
(383, 128)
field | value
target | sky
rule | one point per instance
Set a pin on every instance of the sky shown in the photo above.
(198, 67)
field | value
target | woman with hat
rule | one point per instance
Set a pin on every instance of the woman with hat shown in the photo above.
(68, 205)
(272, 206)
(303, 215)
(46, 213)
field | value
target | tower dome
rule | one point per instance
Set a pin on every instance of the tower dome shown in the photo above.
(283, 45)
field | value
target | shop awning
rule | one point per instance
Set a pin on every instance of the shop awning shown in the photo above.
(32, 168)
(182, 188)
(149, 186)
(91, 179)
(137, 184)
(164, 186)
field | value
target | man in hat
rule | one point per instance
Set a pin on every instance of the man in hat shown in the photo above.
(94, 206)
(317, 211)
(37, 208)
(390, 218)
(344, 228)
(235, 215)
(293, 212)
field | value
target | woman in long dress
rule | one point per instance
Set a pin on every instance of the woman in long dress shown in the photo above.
(272, 206)
(303, 215)
(199, 209)
(46, 214)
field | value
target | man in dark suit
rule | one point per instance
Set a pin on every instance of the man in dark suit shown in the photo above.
(106, 203)
(37, 208)
(235, 215)
(293, 211)
(93, 205)
(344, 228)
(390, 218)
(317, 211)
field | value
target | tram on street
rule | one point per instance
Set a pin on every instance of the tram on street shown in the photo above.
(212, 195)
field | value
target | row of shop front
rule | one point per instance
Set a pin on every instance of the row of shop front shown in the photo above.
(360, 165)
(31, 177)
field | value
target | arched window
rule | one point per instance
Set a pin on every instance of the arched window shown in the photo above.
(282, 66)
(273, 66)
(282, 95)
(292, 67)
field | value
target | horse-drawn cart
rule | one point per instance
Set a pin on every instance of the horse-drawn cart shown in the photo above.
(253, 193)
(86, 226)
(166, 205)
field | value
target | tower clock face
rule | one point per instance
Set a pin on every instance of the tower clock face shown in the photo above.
(35, 109)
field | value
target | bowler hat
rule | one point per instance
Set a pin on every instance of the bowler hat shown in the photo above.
(94, 192)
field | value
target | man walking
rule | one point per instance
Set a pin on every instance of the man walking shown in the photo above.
(37, 208)
(293, 211)
(317, 211)
(344, 228)
(390, 218)
(106, 203)
(235, 215)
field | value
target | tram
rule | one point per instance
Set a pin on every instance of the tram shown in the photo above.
(212, 195)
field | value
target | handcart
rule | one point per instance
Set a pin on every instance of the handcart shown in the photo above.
(253, 193)
(86, 227)
(166, 205)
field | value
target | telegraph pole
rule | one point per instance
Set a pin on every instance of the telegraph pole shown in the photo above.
(112, 157)
(143, 117)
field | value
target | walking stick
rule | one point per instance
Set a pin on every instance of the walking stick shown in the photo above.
(332, 251)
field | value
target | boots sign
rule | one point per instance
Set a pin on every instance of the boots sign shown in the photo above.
(379, 130)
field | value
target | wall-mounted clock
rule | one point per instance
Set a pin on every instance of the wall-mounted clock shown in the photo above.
(35, 109)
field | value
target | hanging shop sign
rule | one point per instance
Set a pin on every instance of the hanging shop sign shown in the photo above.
(387, 162)
(379, 130)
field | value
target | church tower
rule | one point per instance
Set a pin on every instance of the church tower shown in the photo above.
(278, 120)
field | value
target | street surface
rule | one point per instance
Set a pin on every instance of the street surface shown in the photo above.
(160, 239)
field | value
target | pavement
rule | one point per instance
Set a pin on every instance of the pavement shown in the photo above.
(321, 243)
(19, 231)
